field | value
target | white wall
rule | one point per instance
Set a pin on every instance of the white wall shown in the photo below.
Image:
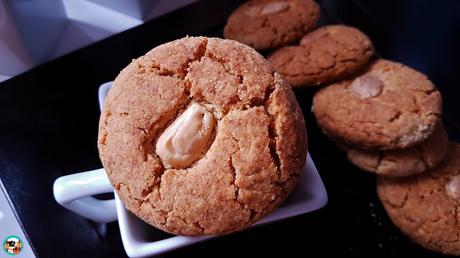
(35, 31)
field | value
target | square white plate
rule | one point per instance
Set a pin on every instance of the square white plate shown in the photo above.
(140, 239)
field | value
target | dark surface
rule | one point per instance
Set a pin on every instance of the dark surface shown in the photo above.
(49, 118)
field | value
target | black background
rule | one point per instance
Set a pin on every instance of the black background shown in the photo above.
(49, 118)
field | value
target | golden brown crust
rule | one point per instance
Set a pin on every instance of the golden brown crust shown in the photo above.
(405, 162)
(327, 54)
(421, 207)
(400, 110)
(271, 30)
(254, 159)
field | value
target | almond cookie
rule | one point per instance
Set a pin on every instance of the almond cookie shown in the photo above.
(264, 24)
(405, 162)
(327, 54)
(425, 206)
(201, 136)
(388, 106)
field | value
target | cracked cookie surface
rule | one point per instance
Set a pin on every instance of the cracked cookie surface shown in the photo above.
(265, 24)
(254, 156)
(405, 162)
(327, 54)
(387, 106)
(425, 206)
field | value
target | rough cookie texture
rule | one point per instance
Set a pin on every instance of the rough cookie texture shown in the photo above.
(255, 155)
(421, 206)
(327, 54)
(403, 114)
(264, 24)
(405, 162)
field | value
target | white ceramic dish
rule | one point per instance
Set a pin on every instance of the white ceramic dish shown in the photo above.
(139, 239)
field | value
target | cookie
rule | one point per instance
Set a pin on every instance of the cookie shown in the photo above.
(264, 24)
(327, 54)
(405, 162)
(388, 106)
(425, 206)
(201, 136)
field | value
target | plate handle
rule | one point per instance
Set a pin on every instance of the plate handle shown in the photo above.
(74, 193)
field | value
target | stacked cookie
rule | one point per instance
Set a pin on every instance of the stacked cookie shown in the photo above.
(425, 206)
(386, 118)
(325, 55)
(268, 24)
(304, 56)
(384, 115)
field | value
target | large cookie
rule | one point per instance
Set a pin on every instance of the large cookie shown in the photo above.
(425, 206)
(327, 54)
(405, 162)
(201, 136)
(264, 24)
(388, 106)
